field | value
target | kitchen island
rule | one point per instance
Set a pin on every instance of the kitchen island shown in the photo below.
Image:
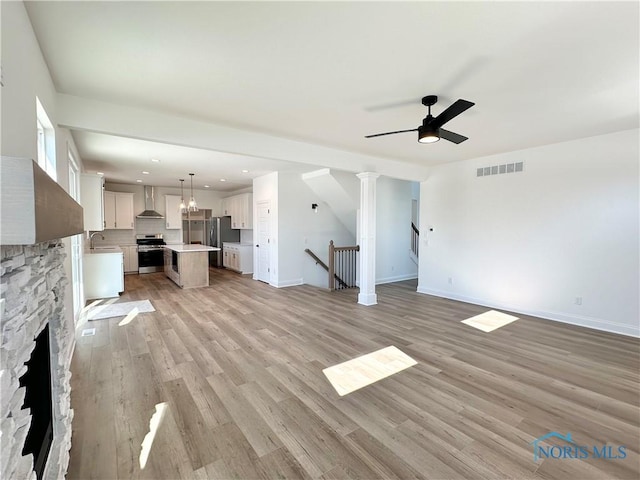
(188, 265)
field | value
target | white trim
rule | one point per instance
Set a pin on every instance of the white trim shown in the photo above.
(288, 283)
(367, 299)
(578, 320)
(398, 278)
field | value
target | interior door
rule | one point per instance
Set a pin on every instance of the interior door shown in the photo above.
(263, 246)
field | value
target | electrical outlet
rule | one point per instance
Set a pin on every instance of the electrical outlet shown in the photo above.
(578, 301)
(450, 280)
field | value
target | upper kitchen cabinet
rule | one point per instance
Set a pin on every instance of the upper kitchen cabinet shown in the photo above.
(172, 214)
(92, 201)
(240, 208)
(118, 211)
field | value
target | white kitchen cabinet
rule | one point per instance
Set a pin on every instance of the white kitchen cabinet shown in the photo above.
(103, 274)
(240, 209)
(238, 257)
(130, 258)
(226, 207)
(92, 201)
(172, 213)
(118, 211)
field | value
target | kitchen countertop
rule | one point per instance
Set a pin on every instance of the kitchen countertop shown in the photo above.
(191, 248)
(109, 249)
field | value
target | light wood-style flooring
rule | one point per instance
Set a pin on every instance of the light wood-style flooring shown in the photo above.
(239, 367)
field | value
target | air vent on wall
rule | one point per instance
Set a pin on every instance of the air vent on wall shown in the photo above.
(500, 169)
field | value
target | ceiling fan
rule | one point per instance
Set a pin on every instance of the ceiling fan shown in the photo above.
(431, 129)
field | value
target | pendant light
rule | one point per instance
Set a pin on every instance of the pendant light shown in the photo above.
(193, 206)
(183, 206)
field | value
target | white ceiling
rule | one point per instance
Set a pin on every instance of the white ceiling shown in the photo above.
(330, 73)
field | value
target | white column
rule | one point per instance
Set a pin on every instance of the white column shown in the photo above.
(367, 295)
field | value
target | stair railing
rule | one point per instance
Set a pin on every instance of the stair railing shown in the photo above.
(343, 265)
(415, 239)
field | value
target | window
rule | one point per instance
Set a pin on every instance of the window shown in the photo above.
(46, 141)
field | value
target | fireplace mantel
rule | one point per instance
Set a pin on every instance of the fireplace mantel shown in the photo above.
(34, 208)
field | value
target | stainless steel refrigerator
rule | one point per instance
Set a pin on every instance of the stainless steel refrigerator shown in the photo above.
(213, 231)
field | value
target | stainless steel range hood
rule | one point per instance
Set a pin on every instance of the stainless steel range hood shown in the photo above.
(149, 204)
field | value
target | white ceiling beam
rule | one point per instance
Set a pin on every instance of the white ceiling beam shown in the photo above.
(79, 113)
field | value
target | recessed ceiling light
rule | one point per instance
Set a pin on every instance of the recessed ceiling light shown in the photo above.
(155, 160)
(245, 171)
(139, 181)
(206, 186)
(145, 172)
(100, 173)
(223, 179)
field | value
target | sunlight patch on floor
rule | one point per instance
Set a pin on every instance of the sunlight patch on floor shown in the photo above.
(154, 425)
(359, 372)
(490, 321)
(130, 316)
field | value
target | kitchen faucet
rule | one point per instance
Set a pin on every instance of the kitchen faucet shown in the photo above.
(91, 238)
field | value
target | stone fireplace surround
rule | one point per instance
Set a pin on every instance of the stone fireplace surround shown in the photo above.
(33, 282)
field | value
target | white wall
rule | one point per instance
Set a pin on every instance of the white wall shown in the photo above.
(25, 76)
(393, 231)
(532, 242)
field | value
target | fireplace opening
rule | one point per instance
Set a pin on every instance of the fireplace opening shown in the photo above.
(37, 383)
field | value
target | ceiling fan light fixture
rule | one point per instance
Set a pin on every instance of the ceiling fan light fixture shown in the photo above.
(428, 135)
(430, 131)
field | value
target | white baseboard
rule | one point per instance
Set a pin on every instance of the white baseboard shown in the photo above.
(581, 321)
(398, 278)
(288, 283)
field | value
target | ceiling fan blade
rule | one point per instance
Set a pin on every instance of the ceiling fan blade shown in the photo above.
(391, 133)
(453, 111)
(452, 136)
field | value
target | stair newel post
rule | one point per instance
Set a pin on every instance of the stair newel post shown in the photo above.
(332, 269)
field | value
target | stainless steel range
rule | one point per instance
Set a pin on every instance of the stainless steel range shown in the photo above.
(150, 253)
